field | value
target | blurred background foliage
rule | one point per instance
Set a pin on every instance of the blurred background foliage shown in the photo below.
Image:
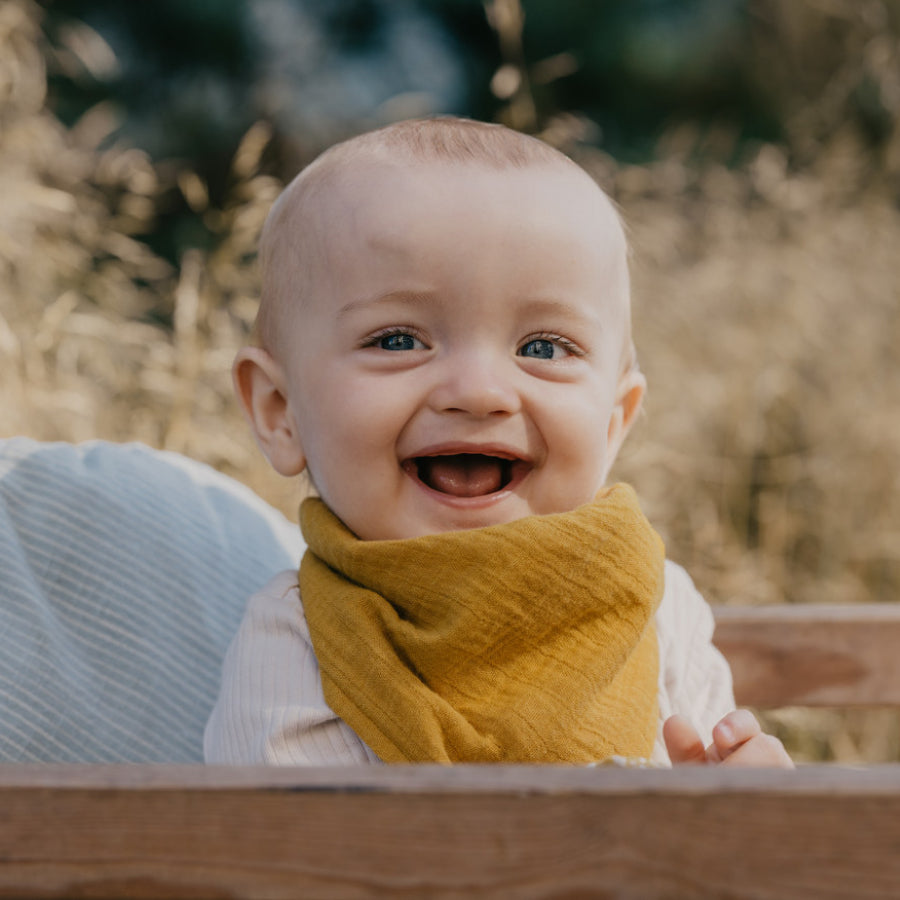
(753, 147)
(185, 79)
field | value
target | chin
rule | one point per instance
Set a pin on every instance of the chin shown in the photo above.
(481, 519)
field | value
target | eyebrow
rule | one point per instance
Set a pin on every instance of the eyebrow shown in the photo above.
(404, 298)
(551, 307)
(559, 310)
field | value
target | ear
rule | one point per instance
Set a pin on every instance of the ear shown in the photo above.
(259, 382)
(629, 397)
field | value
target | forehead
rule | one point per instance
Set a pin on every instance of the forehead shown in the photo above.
(387, 208)
(377, 187)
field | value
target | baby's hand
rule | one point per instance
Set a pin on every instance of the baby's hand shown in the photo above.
(738, 740)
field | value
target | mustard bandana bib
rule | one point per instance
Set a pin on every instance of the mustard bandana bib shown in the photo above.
(531, 641)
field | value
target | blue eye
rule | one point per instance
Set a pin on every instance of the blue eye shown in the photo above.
(540, 348)
(397, 342)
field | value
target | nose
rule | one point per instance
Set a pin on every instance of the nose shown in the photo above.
(477, 383)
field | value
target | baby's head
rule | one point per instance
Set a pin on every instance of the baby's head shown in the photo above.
(444, 333)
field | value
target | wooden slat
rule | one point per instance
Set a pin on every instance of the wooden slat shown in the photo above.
(812, 655)
(496, 832)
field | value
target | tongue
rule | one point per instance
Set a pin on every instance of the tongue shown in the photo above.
(465, 475)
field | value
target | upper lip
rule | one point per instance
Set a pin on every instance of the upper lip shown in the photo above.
(453, 448)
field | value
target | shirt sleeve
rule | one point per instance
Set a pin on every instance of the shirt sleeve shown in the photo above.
(271, 709)
(694, 677)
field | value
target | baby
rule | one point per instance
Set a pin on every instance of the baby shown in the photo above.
(444, 347)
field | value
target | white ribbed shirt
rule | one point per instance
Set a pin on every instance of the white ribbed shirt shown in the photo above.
(271, 708)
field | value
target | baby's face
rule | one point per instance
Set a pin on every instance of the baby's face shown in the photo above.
(455, 362)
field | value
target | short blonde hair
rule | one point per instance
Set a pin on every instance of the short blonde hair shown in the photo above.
(290, 233)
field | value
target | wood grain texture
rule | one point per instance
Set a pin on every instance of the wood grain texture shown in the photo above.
(423, 831)
(806, 655)
(495, 831)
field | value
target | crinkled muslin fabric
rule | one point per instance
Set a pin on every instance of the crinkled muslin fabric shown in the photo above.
(271, 709)
(530, 641)
(125, 573)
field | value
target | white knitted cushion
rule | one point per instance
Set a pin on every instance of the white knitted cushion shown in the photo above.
(123, 575)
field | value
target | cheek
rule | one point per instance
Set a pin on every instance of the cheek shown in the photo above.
(349, 423)
(581, 420)
(579, 435)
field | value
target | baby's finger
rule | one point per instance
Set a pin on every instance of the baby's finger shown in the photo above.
(762, 751)
(734, 730)
(682, 741)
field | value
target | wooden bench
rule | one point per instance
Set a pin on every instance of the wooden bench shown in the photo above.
(502, 831)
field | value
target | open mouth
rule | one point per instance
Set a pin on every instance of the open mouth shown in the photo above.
(467, 474)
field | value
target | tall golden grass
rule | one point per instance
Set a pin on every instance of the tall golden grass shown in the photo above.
(84, 351)
(767, 318)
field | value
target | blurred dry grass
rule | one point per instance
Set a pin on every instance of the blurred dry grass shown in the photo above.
(99, 338)
(767, 308)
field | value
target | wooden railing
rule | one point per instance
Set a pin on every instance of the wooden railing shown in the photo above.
(804, 655)
(495, 831)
